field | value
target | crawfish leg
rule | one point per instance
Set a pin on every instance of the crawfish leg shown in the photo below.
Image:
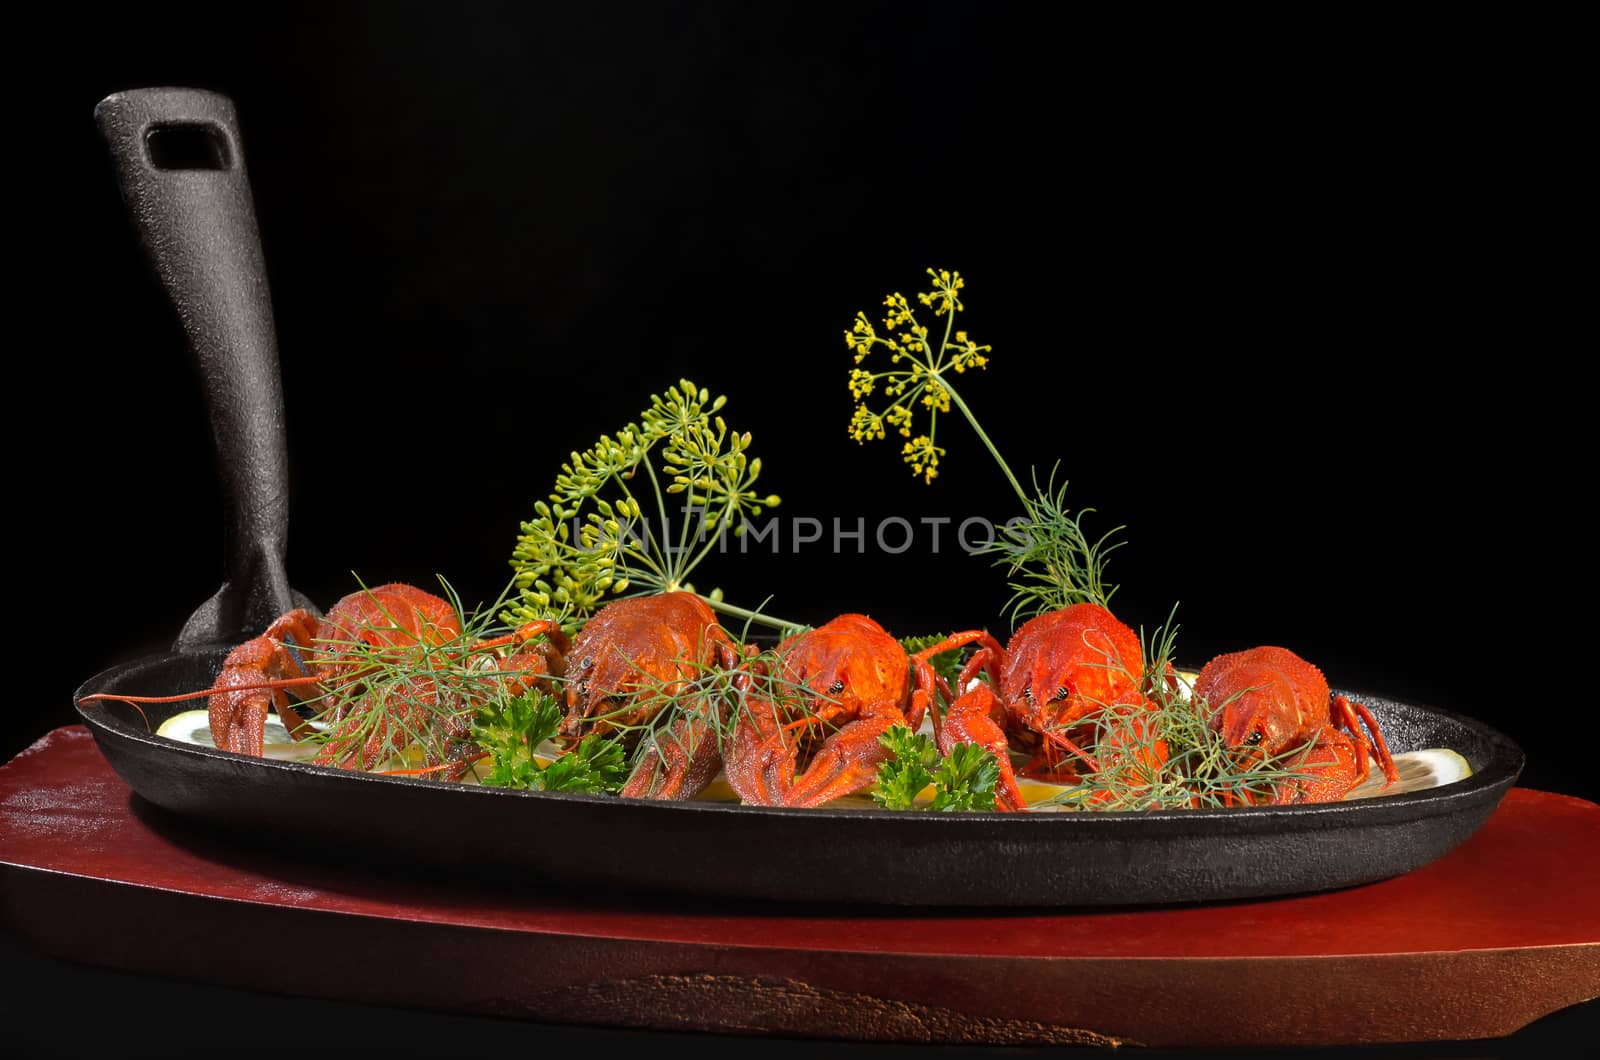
(544, 627)
(1061, 740)
(530, 665)
(678, 762)
(985, 659)
(760, 755)
(848, 760)
(971, 720)
(237, 707)
(980, 637)
(923, 680)
(1052, 765)
(1345, 712)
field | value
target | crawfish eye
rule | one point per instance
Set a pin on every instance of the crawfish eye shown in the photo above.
(583, 688)
(1027, 693)
(1061, 693)
(1255, 738)
(836, 688)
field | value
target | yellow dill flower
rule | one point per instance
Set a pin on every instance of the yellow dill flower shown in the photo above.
(916, 340)
(860, 337)
(919, 372)
(923, 456)
(943, 296)
(899, 311)
(864, 424)
(861, 383)
(967, 354)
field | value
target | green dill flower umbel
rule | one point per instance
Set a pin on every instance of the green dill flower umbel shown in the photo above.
(592, 539)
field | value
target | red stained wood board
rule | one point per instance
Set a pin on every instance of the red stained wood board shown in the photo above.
(1501, 931)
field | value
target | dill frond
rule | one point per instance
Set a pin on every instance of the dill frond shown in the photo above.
(607, 527)
(1167, 755)
(1046, 549)
(1050, 557)
(720, 700)
(394, 695)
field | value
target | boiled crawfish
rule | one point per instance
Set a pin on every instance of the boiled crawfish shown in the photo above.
(1045, 688)
(1268, 701)
(851, 677)
(634, 658)
(330, 659)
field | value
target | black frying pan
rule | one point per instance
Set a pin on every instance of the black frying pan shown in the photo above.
(182, 171)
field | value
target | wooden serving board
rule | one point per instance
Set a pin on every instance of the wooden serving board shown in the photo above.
(1501, 931)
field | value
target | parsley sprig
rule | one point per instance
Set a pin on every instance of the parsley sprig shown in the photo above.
(964, 780)
(510, 731)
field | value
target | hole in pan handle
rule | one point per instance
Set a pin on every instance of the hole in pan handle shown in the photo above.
(190, 145)
(182, 174)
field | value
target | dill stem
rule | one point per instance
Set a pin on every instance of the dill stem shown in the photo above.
(949, 326)
(717, 538)
(748, 615)
(655, 485)
(680, 565)
(693, 563)
(988, 444)
(633, 501)
(644, 557)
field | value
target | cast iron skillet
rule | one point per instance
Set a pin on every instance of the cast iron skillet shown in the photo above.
(198, 225)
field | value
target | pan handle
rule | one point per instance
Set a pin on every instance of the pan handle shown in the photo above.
(180, 165)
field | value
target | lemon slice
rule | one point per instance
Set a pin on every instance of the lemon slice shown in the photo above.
(1419, 771)
(194, 726)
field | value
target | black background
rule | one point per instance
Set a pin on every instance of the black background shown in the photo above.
(1282, 299)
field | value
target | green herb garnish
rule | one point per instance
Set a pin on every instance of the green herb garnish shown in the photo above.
(511, 730)
(1053, 561)
(596, 765)
(1166, 755)
(1045, 548)
(393, 689)
(964, 780)
(596, 537)
(908, 769)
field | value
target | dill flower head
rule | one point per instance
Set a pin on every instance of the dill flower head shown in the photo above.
(914, 379)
